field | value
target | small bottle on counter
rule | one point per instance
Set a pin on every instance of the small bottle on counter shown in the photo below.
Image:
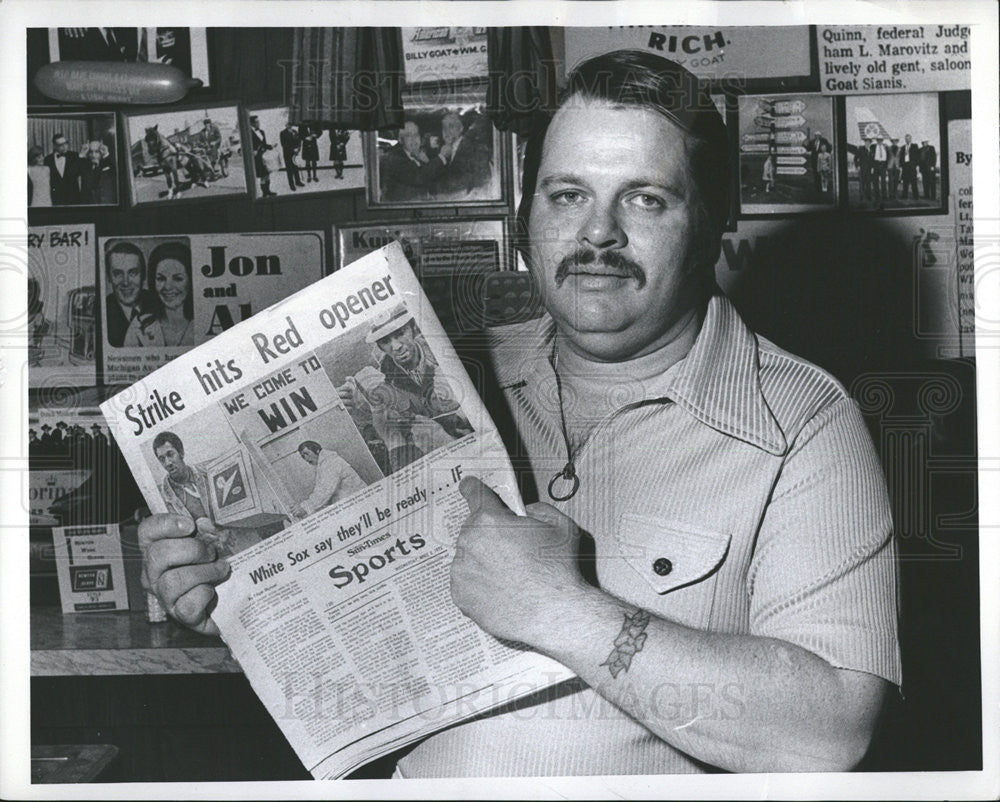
(155, 614)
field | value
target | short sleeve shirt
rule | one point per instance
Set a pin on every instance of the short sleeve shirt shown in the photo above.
(739, 492)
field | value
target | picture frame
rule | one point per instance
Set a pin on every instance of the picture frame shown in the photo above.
(444, 53)
(725, 104)
(329, 174)
(786, 154)
(352, 241)
(453, 258)
(517, 147)
(184, 48)
(190, 163)
(881, 191)
(411, 167)
(90, 176)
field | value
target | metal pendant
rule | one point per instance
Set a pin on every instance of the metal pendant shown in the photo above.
(567, 474)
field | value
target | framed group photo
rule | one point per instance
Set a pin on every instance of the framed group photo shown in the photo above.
(787, 154)
(447, 153)
(195, 153)
(300, 159)
(896, 146)
(72, 159)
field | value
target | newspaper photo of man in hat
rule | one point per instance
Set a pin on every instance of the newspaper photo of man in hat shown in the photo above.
(403, 399)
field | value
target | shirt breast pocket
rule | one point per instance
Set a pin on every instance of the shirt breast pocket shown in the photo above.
(677, 565)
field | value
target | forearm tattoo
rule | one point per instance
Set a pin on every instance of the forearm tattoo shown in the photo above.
(628, 643)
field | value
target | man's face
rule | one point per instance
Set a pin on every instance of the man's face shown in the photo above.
(94, 152)
(171, 460)
(451, 127)
(410, 137)
(125, 273)
(61, 146)
(907, 139)
(401, 345)
(611, 229)
(310, 456)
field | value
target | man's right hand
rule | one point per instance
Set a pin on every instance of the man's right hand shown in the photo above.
(181, 570)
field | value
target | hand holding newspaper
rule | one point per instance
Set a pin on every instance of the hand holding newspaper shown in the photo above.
(319, 445)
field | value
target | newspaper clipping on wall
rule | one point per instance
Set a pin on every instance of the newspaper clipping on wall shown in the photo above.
(165, 294)
(320, 445)
(61, 306)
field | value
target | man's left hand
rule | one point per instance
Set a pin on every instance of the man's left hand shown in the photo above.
(509, 569)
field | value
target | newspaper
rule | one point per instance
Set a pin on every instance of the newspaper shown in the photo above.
(320, 444)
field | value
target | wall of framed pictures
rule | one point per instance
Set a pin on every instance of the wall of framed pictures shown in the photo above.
(850, 220)
(815, 152)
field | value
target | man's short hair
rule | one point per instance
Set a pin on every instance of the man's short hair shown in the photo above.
(312, 445)
(58, 136)
(164, 438)
(635, 78)
(123, 249)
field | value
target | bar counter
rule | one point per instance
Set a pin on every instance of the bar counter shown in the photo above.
(120, 643)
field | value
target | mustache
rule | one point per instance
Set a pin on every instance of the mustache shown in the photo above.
(610, 259)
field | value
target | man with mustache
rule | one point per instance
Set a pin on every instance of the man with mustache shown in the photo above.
(738, 609)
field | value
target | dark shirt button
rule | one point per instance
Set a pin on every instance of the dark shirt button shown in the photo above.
(663, 566)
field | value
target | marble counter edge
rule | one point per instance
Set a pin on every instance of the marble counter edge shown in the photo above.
(109, 662)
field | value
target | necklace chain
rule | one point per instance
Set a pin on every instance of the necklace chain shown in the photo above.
(568, 473)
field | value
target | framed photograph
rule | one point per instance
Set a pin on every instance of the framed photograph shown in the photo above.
(787, 154)
(184, 48)
(196, 153)
(72, 159)
(294, 160)
(453, 258)
(444, 53)
(896, 153)
(446, 154)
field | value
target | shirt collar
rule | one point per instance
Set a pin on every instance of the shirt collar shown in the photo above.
(718, 382)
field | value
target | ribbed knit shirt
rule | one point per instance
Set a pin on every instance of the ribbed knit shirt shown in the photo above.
(746, 470)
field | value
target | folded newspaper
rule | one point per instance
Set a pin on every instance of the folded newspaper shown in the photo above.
(319, 445)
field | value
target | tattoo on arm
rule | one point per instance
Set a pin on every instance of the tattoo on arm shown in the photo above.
(629, 642)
